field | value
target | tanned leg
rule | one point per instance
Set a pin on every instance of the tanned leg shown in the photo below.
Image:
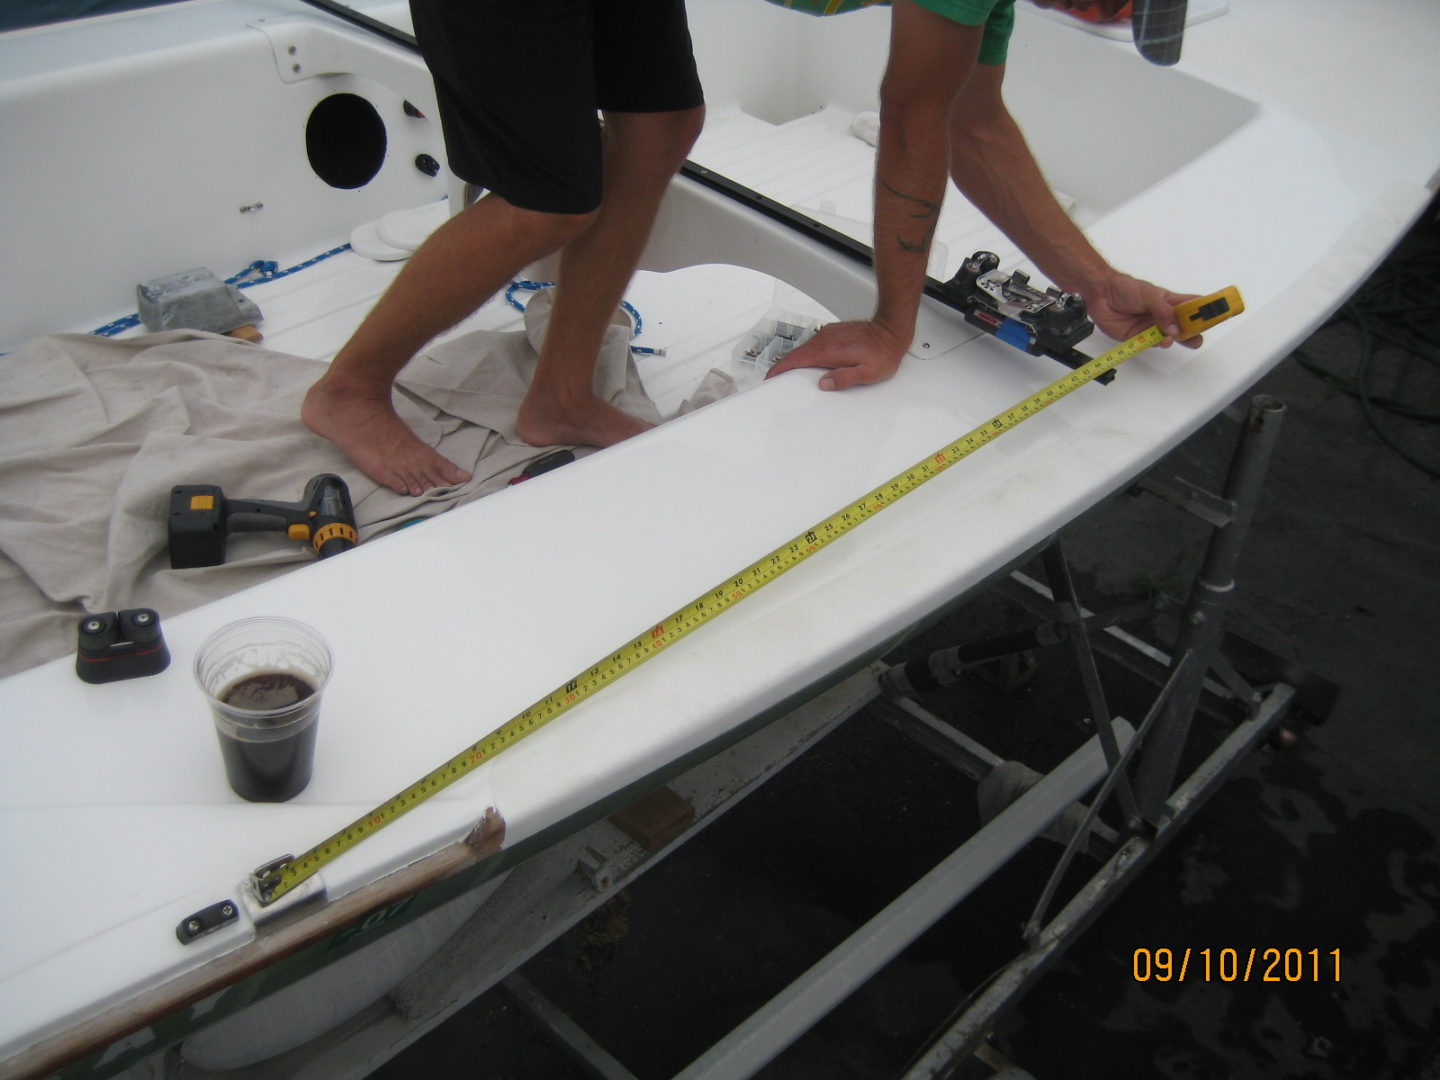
(465, 262)
(643, 151)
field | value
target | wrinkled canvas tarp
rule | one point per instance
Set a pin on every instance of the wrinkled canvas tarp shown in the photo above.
(94, 433)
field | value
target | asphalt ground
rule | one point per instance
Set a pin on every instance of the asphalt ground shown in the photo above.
(1323, 847)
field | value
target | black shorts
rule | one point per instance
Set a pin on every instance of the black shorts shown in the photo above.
(519, 83)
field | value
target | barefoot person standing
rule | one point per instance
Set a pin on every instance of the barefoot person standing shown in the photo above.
(519, 86)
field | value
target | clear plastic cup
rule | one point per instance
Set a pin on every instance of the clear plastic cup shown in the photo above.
(263, 678)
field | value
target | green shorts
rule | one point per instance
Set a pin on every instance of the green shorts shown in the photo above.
(997, 16)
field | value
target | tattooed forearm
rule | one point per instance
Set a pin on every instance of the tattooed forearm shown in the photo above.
(927, 209)
(922, 210)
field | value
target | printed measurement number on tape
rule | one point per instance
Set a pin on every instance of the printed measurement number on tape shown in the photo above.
(281, 876)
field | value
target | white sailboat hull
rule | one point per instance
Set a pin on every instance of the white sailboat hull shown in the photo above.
(161, 140)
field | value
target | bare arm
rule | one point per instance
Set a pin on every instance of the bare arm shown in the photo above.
(931, 60)
(992, 164)
(943, 113)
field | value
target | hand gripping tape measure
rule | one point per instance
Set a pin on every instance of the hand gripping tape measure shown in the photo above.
(279, 877)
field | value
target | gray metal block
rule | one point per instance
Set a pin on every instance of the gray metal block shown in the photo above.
(194, 300)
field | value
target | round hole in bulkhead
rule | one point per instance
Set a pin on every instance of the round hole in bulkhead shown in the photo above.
(345, 140)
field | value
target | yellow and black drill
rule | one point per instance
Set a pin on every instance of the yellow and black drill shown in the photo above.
(202, 519)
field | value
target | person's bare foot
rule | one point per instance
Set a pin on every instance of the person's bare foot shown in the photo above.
(544, 421)
(373, 436)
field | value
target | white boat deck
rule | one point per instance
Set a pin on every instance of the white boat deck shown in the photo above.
(114, 800)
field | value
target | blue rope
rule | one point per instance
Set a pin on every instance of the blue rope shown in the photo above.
(110, 329)
(536, 286)
(266, 269)
(257, 273)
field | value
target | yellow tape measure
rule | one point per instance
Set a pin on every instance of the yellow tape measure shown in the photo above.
(278, 879)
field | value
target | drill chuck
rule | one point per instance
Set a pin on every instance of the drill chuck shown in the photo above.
(333, 525)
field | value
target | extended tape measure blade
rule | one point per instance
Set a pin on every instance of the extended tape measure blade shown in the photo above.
(1196, 315)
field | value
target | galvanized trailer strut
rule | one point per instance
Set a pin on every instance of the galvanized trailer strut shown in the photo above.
(1204, 621)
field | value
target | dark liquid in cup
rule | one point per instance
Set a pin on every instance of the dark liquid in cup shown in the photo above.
(272, 770)
(267, 690)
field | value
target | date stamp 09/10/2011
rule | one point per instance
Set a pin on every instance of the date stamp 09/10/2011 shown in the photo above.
(1231, 965)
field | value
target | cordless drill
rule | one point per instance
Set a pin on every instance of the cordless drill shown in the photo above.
(202, 519)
